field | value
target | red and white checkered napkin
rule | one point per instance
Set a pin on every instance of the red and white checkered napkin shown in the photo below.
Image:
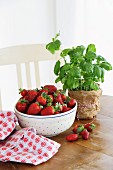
(7, 123)
(27, 147)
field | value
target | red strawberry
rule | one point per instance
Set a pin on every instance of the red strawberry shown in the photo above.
(71, 103)
(49, 110)
(42, 91)
(85, 134)
(57, 98)
(56, 112)
(63, 96)
(32, 94)
(78, 128)
(65, 108)
(51, 88)
(21, 105)
(41, 100)
(75, 128)
(25, 97)
(72, 137)
(89, 126)
(23, 92)
(33, 109)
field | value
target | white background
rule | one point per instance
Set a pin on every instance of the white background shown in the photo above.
(79, 22)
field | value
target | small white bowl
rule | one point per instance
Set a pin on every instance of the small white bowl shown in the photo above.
(48, 125)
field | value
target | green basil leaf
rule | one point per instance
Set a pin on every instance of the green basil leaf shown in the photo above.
(86, 85)
(88, 67)
(82, 64)
(70, 82)
(102, 79)
(65, 52)
(100, 58)
(53, 46)
(66, 67)
(57, 44)
(62, 73)
(107, 66)
(63, 80)
(57, 67)
(91, 47)
(88, 76)
(97, 71)
(75, 84)
(65, 87)
(50, 47)
(94, 86)
(57, 80)
(76, 57)
(80, 49)
(90, 56)
(102, 75)
(75, 72)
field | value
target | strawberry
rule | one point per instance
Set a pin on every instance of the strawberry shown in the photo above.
(56, 112)
(32, 94)
(72, 137)
(41, 100)
(63, 96)
(78, 128)
(34, 109)
(71, 103)
(21, 105)
(51, 88)
(89, 126)
(57, 98)
(65, 108)
(42, 91)
(49, 110)
(23, 92)
(25, 97)
(85, 134)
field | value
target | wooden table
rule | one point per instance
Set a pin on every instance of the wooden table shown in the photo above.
(93, 154)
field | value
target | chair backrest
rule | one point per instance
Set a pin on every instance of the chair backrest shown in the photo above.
(25, 60)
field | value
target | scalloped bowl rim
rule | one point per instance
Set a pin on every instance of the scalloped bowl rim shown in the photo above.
(45, 117)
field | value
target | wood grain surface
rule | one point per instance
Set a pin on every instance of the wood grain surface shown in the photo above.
(96, 153)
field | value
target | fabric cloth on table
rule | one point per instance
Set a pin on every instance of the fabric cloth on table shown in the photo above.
(27, 147)
(8, 122)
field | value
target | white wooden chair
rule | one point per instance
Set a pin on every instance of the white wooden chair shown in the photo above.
(24, 62)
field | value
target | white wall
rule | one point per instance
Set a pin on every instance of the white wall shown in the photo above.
(26, 21)
(99, 30)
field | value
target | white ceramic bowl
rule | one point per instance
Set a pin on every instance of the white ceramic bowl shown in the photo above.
(48, 125)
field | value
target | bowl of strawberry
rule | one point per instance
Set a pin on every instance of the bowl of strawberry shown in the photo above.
(49, 110)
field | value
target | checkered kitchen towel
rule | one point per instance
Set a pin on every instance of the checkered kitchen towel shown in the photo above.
(7, 123)
(27, 147)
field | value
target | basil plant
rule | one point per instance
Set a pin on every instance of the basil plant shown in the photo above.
(82, 68)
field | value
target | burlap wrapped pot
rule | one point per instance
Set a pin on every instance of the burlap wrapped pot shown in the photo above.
(88, 103)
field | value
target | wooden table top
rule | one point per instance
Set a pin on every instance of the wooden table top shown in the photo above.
(96, 153)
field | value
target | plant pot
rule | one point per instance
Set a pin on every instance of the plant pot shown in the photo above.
(88, 103)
